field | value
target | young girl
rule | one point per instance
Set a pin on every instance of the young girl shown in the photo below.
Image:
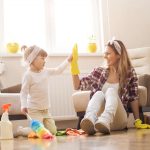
(34, 91)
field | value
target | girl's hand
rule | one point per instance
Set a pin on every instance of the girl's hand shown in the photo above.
(24, 110)
(70, 57)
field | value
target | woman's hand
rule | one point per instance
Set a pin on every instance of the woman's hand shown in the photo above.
(139, 125)
(74, 63)
(24, 110)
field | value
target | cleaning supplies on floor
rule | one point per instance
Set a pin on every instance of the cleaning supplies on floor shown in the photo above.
(22, 131)
(70, 131)
(74, 132)
(39, 129)
(6, 129)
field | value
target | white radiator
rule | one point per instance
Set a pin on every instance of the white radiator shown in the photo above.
(60, 92)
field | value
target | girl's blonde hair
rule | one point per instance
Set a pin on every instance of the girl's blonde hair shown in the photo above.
(28, 50)
(124, 64)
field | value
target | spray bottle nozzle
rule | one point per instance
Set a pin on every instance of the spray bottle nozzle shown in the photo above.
(6, 107)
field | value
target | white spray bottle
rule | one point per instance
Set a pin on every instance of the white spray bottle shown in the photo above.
(5, 125)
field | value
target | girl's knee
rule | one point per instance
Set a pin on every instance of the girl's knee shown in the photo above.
(50, 125)
(53, 130)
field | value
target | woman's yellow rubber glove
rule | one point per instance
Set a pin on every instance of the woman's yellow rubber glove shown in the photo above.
(74, 63)
(138, 124)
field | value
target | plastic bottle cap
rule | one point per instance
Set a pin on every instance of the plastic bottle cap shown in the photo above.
(6, 107)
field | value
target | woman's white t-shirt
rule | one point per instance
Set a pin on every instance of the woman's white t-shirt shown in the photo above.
(110, 85)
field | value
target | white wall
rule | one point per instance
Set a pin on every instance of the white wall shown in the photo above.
(1, 25)
(128, 20)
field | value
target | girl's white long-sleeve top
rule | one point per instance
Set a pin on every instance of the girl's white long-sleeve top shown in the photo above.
(34, 91)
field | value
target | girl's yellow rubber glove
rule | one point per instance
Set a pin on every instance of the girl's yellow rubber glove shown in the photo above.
(138, 124)
(74, 63)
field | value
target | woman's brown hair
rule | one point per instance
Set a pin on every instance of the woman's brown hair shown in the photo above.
(124, 64)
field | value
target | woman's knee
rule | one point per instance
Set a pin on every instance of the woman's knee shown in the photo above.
(111, 92)
(99, 94)
(98, 97)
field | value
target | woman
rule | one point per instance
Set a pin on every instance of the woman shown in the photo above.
(112, 88)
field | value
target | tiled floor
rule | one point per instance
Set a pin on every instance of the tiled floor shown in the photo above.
(131, 139)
